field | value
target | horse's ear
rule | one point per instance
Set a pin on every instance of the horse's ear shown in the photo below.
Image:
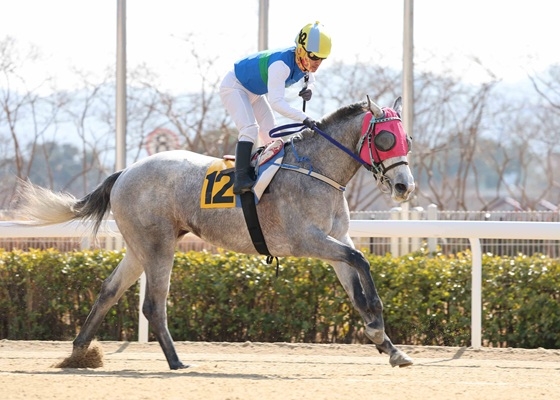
(374, 108)
(397, 105)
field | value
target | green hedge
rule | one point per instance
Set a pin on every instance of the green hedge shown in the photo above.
(46, 295)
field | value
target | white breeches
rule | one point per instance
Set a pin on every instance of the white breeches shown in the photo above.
(251, 113)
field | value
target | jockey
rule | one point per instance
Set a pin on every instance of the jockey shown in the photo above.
(244, 91)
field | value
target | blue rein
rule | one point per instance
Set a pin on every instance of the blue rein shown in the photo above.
(289, 129)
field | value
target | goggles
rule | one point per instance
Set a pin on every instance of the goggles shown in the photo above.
(313, 56)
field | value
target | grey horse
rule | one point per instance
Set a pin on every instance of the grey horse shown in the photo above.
(157, 200)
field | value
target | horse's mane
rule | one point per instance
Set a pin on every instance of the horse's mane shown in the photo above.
(344, 113)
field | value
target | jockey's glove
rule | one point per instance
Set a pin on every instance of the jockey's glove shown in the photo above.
(305, 94)
(309, 123)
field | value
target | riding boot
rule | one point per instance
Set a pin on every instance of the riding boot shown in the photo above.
(243, 181)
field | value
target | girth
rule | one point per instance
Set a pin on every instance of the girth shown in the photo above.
(252, 220)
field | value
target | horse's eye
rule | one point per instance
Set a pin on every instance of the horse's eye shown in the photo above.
(385, 140)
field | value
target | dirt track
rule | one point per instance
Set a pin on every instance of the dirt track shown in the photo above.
(278, 371)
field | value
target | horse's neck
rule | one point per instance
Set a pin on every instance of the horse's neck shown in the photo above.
(325, 157)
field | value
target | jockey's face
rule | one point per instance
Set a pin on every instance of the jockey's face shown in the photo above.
(307, 61)
(313, 62)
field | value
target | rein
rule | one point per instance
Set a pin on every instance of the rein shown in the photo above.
(275, 132)
(377, 168)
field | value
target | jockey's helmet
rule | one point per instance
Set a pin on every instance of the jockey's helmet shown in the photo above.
(314, 41)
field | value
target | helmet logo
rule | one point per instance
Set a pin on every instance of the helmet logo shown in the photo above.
(302, 38)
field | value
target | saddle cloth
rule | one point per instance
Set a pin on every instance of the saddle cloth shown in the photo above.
(217, 191)
(267, 163)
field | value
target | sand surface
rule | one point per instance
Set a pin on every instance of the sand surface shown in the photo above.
(268, 371)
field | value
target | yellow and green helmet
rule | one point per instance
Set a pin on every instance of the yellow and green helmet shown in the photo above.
(314, 41)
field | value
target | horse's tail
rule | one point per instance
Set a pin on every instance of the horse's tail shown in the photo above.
(45, 207)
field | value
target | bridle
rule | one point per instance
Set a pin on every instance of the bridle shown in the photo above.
(376, 159)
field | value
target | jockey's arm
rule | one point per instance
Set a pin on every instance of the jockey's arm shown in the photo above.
(278, 72)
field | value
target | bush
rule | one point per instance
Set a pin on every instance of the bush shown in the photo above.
(47, 295)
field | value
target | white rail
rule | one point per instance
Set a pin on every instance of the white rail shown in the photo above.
(472, 230)
(15, 229)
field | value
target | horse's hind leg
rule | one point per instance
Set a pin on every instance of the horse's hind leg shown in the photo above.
(158, 273)
(350, 281)
(127, 272)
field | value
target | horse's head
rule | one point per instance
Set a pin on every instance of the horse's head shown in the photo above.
(384, 146)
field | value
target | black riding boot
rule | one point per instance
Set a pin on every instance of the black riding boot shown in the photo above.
(243, 172)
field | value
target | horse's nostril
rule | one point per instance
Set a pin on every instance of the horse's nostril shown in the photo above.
(401, 188)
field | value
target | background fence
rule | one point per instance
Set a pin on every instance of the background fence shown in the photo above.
(452, 245)
(376, 245)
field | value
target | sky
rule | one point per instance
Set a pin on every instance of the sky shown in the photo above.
(510, 38)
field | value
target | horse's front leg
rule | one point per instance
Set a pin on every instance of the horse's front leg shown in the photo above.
(355, 276)
(350, 281)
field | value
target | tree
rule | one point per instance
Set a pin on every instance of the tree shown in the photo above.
(198, 118)
(25, 115)
(59, 166)
(472, 144)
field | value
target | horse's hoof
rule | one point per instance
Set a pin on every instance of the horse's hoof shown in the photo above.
(180, 365)
(400, 359)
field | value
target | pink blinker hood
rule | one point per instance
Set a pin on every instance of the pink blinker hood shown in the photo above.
(389, 122)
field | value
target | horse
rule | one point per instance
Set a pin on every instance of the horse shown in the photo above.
(157, 200)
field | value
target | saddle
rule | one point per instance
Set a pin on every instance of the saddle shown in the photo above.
(266, 161)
